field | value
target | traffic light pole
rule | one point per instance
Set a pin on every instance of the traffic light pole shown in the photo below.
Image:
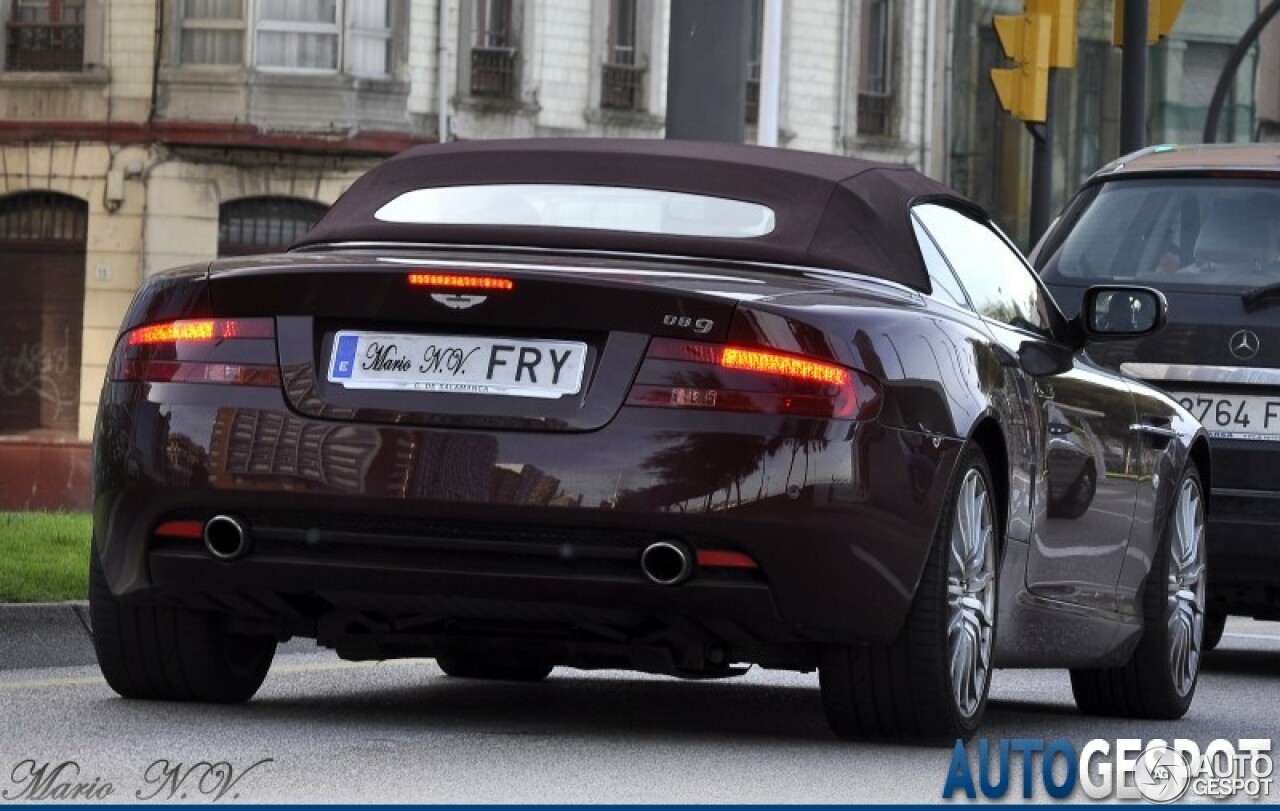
(1133, 82)
(1042, 167)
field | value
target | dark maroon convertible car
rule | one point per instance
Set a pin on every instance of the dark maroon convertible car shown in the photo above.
(670, 407)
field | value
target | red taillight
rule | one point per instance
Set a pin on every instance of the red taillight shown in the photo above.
(458, 281)
(206, 329)
(784, 365)
(690, 374)
(237, 351)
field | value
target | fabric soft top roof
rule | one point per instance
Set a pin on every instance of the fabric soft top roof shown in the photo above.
(832, 212)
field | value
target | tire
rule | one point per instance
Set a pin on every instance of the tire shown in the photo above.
(1215, 623)
(172, 654)
(921, 687)
(1159, 680)
(465, 667)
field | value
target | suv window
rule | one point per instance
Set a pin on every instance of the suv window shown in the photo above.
(998, 282)
(1221, 231)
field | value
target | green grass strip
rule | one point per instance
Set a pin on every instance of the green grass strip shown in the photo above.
(44, 557)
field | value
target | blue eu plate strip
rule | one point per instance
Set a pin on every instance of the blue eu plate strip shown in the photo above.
(345, 356)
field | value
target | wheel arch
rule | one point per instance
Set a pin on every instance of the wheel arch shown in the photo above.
(988, 436)
(1199, 456)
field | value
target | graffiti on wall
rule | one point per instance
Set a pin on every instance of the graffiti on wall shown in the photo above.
(42, 369)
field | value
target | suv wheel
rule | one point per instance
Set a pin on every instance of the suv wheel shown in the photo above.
(1215, 624)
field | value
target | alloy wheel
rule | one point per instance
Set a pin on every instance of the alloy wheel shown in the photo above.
(971, 593)
(1186, 587)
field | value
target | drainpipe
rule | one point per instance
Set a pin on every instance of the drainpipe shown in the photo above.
(442, 72)
(842, 77)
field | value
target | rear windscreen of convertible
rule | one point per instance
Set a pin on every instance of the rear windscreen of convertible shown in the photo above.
(645, 211)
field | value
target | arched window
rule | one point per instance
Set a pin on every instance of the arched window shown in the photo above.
(264, 224)
(42, 238)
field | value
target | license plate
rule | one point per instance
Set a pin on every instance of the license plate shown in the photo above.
(460, 364)
(1235, 416)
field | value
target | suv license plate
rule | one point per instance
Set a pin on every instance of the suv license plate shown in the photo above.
(1233, 416)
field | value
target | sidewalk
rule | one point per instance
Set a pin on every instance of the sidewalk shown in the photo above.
(37, 635)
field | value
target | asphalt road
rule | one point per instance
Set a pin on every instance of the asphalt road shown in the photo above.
(336, 731)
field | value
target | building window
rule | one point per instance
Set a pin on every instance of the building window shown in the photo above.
(42, 240)
(212, 32)
(296, 36)
(493, 50)
(755, 44)
(875, 86)
(369, 38)
(45, 35)
(256, 225)
(299, 35)
(622, 76)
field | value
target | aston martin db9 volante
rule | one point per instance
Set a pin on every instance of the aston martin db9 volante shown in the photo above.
(671, 407)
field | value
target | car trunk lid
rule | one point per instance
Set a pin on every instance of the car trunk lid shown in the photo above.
(504, 312)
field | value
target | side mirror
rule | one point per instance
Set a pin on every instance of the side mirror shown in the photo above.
(1120, 312)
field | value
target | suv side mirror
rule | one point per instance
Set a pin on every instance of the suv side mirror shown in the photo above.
(1118, 312)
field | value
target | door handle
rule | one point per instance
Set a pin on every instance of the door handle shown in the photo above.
(1156, 429)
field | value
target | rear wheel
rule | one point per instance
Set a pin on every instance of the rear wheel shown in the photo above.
(468, 667)
(932, 682)
(1159, 680)
(172, 654)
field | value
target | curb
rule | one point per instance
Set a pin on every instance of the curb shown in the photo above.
(41, 635)
(38, 635)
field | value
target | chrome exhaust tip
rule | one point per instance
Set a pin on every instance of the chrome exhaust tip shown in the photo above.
(226, 537)
(667, 563)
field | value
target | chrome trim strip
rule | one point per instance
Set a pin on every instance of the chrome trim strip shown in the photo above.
(1185, 372)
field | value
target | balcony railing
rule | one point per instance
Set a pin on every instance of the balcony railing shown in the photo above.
(493, 72)
(875, 112)
(620, 86)
(44, 46)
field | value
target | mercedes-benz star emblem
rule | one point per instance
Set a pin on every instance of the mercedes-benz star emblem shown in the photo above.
(1244, 344)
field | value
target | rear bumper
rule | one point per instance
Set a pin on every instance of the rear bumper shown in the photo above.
(393, 521)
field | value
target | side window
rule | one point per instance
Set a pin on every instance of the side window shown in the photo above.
(999, 284)
(945, 286)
